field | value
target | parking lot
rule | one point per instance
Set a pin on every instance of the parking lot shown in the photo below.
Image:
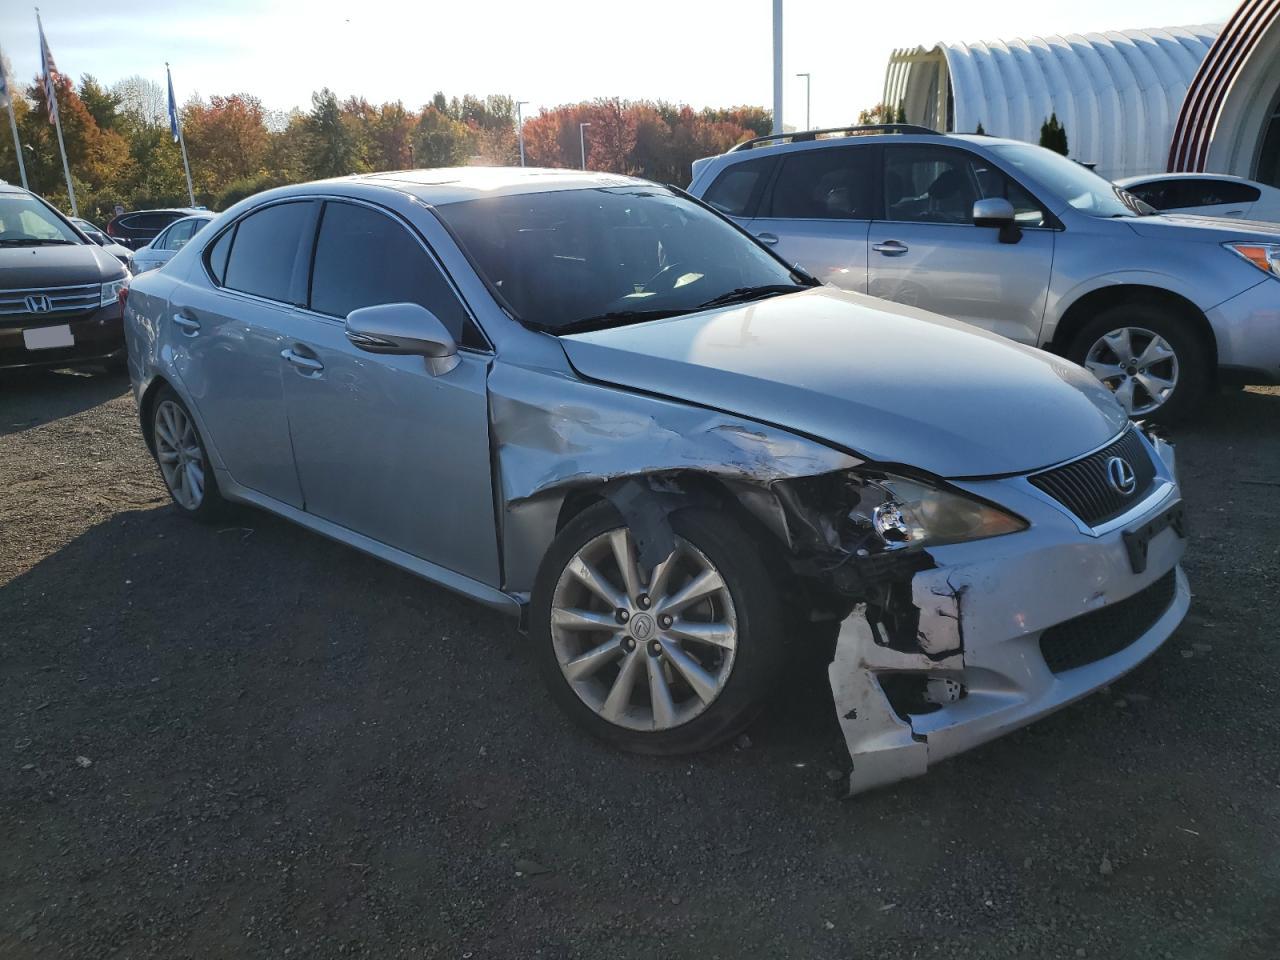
(246, 741)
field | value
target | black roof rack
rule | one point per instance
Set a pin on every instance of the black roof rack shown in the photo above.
(801, 136)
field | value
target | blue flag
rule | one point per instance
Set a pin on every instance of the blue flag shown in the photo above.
(173, 107)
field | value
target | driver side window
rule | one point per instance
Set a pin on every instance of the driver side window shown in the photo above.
(925, 184)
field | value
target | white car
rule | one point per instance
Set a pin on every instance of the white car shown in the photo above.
(1206, 195)
(169, 241)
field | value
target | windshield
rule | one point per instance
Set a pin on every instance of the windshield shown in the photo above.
(1076, 184)
(573, 259)
(26, 221)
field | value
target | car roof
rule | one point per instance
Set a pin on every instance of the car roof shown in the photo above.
(838, 139)
(445, 185)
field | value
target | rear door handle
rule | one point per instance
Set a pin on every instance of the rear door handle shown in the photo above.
(890, 248)
(304, 364)
(769, 238)
(188, 324)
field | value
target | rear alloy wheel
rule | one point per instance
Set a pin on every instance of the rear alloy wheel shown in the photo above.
(1152, 361)
(182, 459)
(669, 662)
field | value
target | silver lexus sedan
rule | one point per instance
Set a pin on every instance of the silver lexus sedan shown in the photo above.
(598, 405)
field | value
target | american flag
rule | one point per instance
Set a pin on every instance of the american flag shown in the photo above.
(50, 71)
(4, 80)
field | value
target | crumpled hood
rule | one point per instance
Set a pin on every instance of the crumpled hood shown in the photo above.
(22, 268)
(887, 382)
(1181, 226)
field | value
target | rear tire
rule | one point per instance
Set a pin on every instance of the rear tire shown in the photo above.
(183, 460)
(1153, 360)
(659, 683)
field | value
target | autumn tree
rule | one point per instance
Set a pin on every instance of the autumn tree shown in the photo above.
(226, 139)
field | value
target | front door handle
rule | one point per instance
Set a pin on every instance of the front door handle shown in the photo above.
(188, 324)
(769, 238)
(890, 248)
(303, 363)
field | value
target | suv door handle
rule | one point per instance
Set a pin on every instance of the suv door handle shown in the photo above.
(304, 364)
(188, 324)
(890, 248)
(769, 238)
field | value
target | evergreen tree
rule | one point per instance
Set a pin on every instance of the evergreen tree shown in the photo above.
(1053, 135)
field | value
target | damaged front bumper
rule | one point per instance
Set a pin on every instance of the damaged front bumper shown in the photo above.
(1010, 629)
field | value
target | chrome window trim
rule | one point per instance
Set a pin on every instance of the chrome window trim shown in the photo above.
(305, 310)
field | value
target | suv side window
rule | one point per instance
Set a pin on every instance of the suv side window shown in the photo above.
(927, 184)
(364, 258)
(737, 190)
(824, 183)
(265, 249)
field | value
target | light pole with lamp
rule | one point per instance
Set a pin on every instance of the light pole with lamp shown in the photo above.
(520, 129)
(582, 142)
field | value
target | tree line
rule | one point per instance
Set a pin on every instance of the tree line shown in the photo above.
(121, 150)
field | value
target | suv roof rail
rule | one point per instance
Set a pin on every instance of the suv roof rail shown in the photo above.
(801, 136)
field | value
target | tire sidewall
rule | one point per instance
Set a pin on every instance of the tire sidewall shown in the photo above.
(737, 558)
(1193, 372)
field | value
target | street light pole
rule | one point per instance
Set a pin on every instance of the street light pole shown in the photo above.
(777, 66)
(520, 129)
(582, 142)
(807, 124)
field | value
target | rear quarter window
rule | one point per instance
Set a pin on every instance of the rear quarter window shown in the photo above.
(737, 189)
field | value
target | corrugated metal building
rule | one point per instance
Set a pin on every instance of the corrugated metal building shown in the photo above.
(1131, 101)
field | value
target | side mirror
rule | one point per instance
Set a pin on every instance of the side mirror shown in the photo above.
(997, 212)
(406, 329)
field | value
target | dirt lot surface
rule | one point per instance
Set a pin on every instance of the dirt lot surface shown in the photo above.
(248, 741)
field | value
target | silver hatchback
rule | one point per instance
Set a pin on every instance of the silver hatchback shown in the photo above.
(1020, 241)
(596, 404)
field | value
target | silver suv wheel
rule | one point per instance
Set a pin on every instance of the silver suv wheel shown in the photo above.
(1139, 366)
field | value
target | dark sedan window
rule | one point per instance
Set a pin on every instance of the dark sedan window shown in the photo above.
(265, 248)
(364, 258)
(1193, 192)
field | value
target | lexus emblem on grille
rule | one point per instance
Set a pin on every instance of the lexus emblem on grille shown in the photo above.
(38, 303)
(1121, 476)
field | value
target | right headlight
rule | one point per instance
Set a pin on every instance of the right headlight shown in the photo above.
(912, 512)
(1264, 256)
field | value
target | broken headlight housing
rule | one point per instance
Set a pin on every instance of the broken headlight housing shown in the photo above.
(903, 512)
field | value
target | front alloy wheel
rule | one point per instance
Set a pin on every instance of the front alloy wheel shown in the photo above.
(671, 660)
(643, 653)
(1139, 366)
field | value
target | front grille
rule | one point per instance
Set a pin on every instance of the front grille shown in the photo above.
(1083, 486)
(62, 302)
(1099, 634)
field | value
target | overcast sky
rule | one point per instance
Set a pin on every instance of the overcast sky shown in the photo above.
(691, 51)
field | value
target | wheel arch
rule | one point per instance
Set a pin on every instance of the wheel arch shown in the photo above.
(146, 408)
(1090, 304)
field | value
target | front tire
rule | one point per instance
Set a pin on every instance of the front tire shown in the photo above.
(1153, 362)
(670, 663)
(182, 458)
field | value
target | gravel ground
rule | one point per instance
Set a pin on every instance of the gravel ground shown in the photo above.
(249, 741)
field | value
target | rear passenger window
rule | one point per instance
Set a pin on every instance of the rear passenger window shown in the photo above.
(829, 183)
(217, 255)
(364, 258)
(265, 249)
(736, 190)
(1207, 193)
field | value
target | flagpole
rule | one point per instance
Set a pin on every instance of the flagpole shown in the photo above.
(66, 168)
(17, 144)
(6, 89)
(182, 140)
(51, 98)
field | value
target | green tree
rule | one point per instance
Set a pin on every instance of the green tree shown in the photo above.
(1053, 135)
(979, 130)
(439, 140)
(901, 116)
(101, 103)
(334, 149)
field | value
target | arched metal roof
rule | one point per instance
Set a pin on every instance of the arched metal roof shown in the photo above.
(1117, 94)
(1252, 28)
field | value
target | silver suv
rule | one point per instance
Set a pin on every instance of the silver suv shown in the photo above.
(1020, 241)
